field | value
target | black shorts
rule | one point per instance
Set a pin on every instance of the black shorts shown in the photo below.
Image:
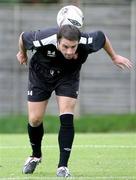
(43, 82)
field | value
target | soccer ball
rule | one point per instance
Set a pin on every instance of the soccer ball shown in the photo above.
(70, 15)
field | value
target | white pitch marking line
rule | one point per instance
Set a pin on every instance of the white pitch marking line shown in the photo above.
(75, 146)
(78, 178)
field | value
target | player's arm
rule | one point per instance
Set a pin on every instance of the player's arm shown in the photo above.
(27, 41)
(118, 60)
(99, 40)
(22, 53)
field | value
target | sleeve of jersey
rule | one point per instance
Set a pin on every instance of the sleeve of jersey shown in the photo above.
(36, 39)
(97, 42)
(29, 39)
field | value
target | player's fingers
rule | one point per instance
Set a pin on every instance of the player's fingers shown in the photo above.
(24, 63)
(128, 65)
(121, 66)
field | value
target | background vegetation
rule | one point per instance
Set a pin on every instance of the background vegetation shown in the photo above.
(88, 123)
(29, 1)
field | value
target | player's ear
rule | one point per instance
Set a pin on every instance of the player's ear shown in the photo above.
(58, 42)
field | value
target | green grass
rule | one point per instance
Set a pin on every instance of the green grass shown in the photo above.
(94, 156)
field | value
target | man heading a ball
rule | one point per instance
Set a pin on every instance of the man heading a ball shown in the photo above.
(55, 66)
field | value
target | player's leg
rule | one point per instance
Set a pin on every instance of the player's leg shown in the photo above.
(67, 92)
(39, 91)
(35, 131)
(36, 112)
(66, 132)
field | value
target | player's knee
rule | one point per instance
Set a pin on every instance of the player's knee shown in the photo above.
(35, 120)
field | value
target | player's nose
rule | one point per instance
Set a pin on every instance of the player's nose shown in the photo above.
(70, 51)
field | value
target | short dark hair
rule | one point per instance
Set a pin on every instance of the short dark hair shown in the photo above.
(69, 32)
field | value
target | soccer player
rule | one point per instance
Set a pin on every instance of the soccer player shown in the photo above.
(55, 66)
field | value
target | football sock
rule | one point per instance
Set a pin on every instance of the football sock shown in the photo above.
(35, 136)
(65, 138)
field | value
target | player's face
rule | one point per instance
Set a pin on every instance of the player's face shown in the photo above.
(68, 48)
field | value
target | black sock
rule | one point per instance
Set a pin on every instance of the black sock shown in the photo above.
(65, 138)
(35, 136)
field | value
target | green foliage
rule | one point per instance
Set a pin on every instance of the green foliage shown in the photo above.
(9, 1)
(107, 123)
(29, 1)
(89, 123)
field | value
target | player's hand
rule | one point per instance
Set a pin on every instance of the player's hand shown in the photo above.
(22, 57)
(122, 62)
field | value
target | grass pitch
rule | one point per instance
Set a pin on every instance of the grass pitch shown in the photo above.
(94, 156)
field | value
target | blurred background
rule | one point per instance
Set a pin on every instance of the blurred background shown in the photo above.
(104, 88)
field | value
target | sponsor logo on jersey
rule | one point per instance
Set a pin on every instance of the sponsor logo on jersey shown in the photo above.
(51, 53)
(52, 72)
